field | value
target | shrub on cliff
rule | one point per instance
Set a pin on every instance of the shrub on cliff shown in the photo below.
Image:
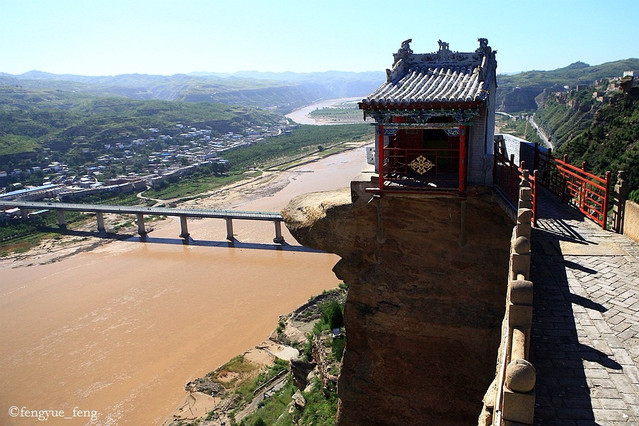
(332, 314)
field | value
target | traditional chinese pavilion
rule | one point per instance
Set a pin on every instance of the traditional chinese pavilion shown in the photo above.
(434, 119)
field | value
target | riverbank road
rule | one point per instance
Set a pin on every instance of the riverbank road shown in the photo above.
(585, 333)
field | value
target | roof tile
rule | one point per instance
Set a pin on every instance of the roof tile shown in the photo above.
(440, 77)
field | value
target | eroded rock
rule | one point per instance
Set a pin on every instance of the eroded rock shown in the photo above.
(423, 313)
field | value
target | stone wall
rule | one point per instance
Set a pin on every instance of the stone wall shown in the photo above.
(425, 303)
(480, 149)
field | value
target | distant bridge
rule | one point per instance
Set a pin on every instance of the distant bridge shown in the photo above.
(140, 212)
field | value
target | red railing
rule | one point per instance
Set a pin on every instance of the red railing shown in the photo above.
(586, 191)
(433, 167)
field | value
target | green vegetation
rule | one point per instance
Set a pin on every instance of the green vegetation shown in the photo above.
(344, 112)
(517, 92)
(565, 114)
(19, 236)
(273, 411)
(281, 151)
(520, 128)
(75, 128)
(603, 134)
(121, 199)
(281, 91)
(320, 406)
(301, 141)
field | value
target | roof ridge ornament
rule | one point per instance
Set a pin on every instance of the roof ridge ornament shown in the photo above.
(483, 45)
(400, 59)
(405, 48)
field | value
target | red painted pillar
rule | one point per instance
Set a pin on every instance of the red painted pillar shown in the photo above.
(462, 159)
(380, 156)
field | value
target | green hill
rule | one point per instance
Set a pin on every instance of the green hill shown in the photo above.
(280, 91)
(518, 92)
(608, 141)
(53, 121)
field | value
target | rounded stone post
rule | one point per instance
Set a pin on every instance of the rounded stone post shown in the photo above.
(519, 394)
(520, 258)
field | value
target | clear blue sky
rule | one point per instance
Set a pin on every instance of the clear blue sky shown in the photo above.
(108, 37)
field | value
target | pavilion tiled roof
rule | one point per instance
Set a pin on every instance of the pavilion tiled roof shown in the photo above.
(437, 78)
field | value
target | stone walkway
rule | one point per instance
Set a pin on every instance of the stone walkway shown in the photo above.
(585, 333)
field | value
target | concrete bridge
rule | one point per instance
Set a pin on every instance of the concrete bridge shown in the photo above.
(228, 215)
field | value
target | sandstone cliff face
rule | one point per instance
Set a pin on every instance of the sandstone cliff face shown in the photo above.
(423, 313)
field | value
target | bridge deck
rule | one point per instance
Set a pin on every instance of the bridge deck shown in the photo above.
(585, 335)
(163, 211)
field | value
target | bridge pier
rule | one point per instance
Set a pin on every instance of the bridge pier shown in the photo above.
(24, 213)
(100, 218)
(278, 232)
(184, 228)
(141, 229)
(229, 228)
(62, 220)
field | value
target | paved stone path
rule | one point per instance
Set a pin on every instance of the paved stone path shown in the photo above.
(585, 334)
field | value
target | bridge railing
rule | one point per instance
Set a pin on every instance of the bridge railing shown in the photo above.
(510, 399)
(140, 212)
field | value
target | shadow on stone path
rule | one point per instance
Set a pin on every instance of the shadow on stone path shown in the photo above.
(585, 333)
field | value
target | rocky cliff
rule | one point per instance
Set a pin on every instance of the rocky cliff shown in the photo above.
(425, 303)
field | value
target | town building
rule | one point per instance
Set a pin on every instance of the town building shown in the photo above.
(434, 119)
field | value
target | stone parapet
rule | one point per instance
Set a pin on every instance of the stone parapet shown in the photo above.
(510, 399)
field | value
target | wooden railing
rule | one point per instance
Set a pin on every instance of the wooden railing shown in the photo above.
(591, 194)
(433, 167)
(586, 191)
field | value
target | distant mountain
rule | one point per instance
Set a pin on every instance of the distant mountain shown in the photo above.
(517, 92)
(280, 91)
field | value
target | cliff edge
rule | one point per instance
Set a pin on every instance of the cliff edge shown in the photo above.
(425, 303)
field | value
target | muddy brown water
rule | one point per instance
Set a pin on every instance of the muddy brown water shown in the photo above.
(119, 330)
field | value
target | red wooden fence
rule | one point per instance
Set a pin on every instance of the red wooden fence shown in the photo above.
(574, 185)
